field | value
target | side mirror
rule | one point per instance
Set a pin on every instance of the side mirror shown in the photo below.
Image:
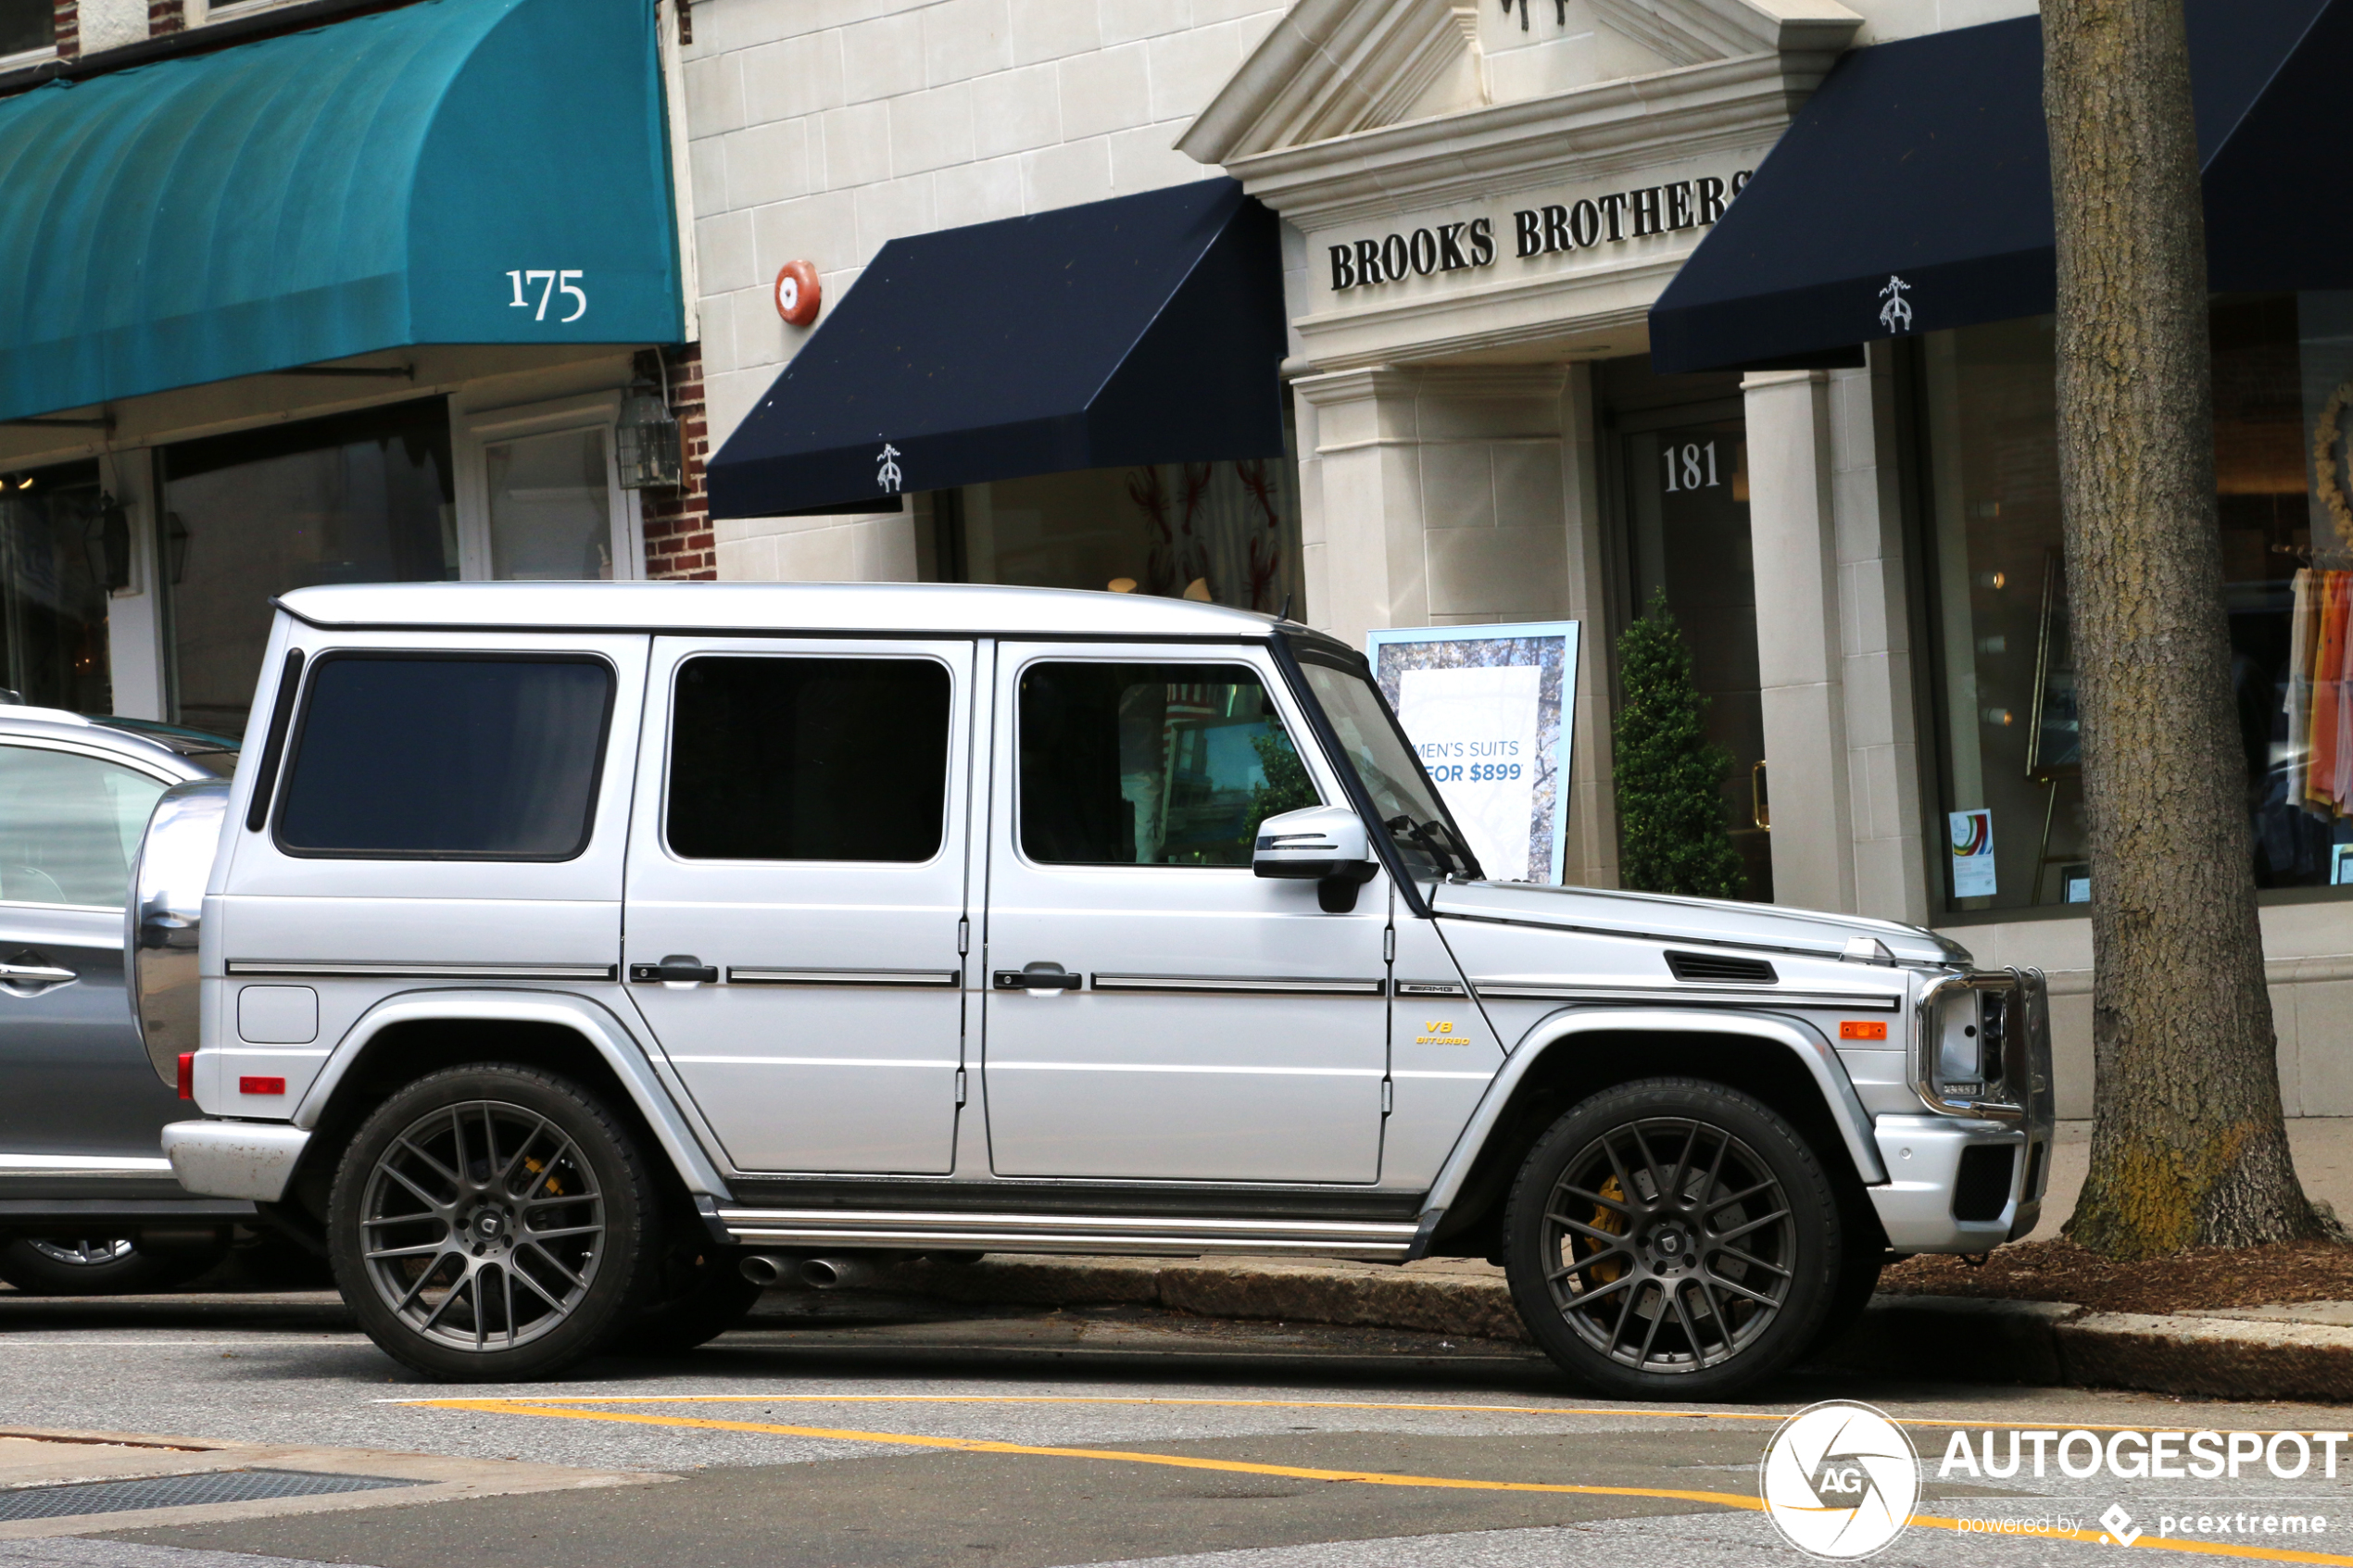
(1325, 845)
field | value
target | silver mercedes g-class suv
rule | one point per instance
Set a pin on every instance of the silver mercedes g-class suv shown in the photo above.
(567, 958)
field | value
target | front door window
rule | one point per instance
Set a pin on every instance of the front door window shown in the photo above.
(551, 507)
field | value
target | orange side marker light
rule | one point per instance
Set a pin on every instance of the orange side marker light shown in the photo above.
(1859, 1029)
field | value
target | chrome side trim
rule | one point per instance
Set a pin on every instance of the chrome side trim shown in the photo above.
(1696, 994)
(337, 970)
(80, 1166)
(1430, 988)
(941, 979)
(1237, 985)
(1131, 1234)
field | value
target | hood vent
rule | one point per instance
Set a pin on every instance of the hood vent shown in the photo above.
(1721, 969)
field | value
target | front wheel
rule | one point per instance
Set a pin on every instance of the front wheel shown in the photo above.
(1672, 1239)
(492, 1222)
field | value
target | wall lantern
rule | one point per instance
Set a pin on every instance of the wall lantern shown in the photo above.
(645, 440)
(109, 542)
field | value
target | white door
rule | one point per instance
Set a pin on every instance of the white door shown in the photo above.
(1212, 1025)
(796, 892)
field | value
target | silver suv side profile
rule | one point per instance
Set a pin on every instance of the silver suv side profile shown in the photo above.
(568, 957)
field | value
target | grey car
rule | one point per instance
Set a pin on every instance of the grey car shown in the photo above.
(88, 1203)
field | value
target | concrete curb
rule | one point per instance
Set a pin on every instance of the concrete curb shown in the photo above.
(2048, 1344)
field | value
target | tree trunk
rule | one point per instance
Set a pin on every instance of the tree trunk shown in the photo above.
(2188, 1145)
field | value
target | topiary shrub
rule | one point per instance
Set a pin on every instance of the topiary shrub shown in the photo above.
(1672, 836)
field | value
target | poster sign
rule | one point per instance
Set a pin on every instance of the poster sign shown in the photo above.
(1490, 709)
(1973, 854)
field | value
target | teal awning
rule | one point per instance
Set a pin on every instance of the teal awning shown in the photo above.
(401, 178)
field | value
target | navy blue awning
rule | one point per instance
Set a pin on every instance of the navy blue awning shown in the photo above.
(1146, 329)
(1913, 192)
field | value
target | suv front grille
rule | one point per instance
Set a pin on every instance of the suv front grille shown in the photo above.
(1722, 969)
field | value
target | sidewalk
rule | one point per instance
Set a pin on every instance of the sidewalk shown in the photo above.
(2300, 1350)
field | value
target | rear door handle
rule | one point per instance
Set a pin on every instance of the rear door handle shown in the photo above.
(1038, 977)
(677, 968)
(38, 976)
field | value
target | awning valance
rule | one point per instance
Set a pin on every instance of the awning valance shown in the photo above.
(1146, 329)
(399, 178)
(1913, 191)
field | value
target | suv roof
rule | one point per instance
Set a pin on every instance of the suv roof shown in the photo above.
(189, 753)
(901, 607)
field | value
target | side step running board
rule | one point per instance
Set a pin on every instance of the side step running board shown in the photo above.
(1178, 1236)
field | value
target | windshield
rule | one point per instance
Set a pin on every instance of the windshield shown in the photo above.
(1384, 760)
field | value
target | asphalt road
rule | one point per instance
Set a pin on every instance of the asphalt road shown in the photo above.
(842, 1434)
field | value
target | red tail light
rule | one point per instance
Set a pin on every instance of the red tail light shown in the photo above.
(187, 1075)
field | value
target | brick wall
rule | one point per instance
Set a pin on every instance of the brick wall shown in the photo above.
(677, 522)
(166, 16)
(69, 26)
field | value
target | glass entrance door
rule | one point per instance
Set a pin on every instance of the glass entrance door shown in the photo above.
(1687, 492)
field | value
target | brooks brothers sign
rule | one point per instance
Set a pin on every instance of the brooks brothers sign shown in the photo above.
(1549, 228)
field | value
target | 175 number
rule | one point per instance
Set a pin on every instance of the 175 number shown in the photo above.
(549, 284)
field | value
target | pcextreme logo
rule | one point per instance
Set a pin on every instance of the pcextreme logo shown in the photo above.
(1839, 1480)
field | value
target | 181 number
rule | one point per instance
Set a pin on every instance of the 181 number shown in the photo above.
(1693, 464)
(549, 284)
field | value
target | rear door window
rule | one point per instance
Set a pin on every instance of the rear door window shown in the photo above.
(484, 758)
(784, 759)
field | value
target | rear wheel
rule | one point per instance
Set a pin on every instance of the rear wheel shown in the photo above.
(1672, 1238)
(492, 1222)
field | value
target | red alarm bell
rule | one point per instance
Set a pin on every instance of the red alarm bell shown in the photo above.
(797, 293)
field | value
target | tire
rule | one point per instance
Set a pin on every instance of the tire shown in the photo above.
(493, 1223)
(99, 1265)
(1672, 1239)
(702, 1295)
(1849, 1296)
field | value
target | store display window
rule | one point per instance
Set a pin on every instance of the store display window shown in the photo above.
(55, 542)
(2011, 832)
(362, 498)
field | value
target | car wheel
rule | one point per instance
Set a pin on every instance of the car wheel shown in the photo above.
(703, 1293)
(1672, 1238)
(492, 1222)
(99, 1265)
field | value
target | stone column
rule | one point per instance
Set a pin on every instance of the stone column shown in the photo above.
(1799, 650)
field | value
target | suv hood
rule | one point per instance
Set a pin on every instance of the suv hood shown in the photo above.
(1688, 920)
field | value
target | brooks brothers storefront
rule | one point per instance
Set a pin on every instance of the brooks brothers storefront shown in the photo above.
(367, 301)
(1767, 330)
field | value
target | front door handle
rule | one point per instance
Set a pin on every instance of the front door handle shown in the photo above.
(38, 976)
(678, 969)
(1038, 977)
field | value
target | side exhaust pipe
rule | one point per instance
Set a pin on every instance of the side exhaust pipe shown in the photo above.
(840, 1273)
(770, 1270)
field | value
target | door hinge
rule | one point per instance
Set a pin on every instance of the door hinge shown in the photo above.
(964, 937)
(960, 1085)
(1388, 943)
(1388, 1096)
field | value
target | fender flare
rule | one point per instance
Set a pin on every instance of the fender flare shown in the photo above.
(1821, 1062)
(596, 1025)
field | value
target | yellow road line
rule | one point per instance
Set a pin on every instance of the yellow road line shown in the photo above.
(1642, 1412)
(552, 1410)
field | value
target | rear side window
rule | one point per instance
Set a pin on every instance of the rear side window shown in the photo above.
(781, 758)
(472, 759)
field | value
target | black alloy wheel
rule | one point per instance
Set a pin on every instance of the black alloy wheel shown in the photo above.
(493, 1222)
(102, 1265)
(1673, 1238)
